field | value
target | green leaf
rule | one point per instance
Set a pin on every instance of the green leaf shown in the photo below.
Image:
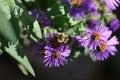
(1, 51)
(37, 29)
(23, 69)
(29, 0)
(8, 2)
(86, 51)
(60, 22)
(5, 6)
(0, 44)
(6, 29)
(48, 30)
(17, 11)
(54, 8)
(77, 53)
(72, 21)
(93, 59)
(5, 10)
(71, 32)
(82, 27)
(15, 50)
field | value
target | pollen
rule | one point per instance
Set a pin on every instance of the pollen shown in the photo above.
(96, 36)
(56, 55)
(102, 46)
(77, 2)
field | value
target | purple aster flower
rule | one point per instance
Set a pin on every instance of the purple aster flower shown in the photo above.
(90, 7)
(52, 39)
(105, 49)
(112, 4)
(93, 36)
(66, 1)
(76, 13)
(114, 24)
(54, 57)
(92, 23)
(80, 8)
(80, 41)
(56, 50)
(40, 16)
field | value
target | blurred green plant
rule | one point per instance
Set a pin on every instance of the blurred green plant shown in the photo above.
(13, 16)
(16, 26)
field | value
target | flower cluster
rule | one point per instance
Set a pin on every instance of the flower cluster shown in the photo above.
(98, 41)
(40, 16)
(80, 8)
(98, 21)
(56, 50)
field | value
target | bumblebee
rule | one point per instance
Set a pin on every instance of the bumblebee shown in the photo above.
(62, 37)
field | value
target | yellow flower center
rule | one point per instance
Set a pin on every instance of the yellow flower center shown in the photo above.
(56, 55)
(102, 46)
(96, 36)
(77, 2)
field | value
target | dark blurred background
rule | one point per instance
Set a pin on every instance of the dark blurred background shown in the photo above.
(82, 68)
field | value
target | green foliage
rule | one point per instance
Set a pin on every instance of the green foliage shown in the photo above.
(6, 29)
(48, 30)
(8, 2)
(54, 8)
(16, 26)
(73, 22)
(1, 51)
(15, 50)
(5, 11)
(75, 50)
(14, 20)
(29, 0)
(37, 29)
(5, 6)
(60, 22)
(23, 69)
(71, 31)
